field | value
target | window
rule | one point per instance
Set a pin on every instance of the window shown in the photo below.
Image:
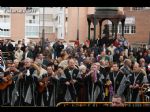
(32, 25)
(66, 18)
(126, 29)
(61, 8)
(33, 16)
(5, 18)
(48, 29)
(4, 25)
(32, 31)
(32, 19)
(120, 29)
(47, 17)
(133, 29)
(110, 28)
(129, 27)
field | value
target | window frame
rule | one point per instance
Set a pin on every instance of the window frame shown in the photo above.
(34, 21)
(8, 24)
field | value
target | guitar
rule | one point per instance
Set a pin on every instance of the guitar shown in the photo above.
(45, 82)
(4, 84)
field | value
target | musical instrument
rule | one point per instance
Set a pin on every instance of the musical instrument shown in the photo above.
(35, 66)
(144, 91)
(145, 88)
(4, 84)
(107, 87)
(45, 81)
(147, 91)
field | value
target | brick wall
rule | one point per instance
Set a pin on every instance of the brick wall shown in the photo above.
(142, 21)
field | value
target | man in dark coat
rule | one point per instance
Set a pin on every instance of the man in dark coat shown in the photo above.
(136, 79)
(95, 85)
(61, 86)
(118, 82)
(27, 84)
(28, 53)
(71, 73)
(59, 48)
(51, 87)
(10, 90)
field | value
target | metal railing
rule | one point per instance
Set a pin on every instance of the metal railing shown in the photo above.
(138, 44)
(95, 104)
(5, 54)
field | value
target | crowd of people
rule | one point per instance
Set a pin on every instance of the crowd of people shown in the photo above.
(79, 73)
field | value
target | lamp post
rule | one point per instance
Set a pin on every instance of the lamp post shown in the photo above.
(149, 39)
(43, 32)
(78, 25)
(55, 27)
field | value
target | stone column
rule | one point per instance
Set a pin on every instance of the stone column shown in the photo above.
(89, 28)
(116, 28)
(100, 28)
(113, 29)
(123, 23)
(94, 28)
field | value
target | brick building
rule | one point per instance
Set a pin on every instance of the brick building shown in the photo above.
(68, 22)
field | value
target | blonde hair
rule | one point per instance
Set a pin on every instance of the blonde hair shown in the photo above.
(82, 67)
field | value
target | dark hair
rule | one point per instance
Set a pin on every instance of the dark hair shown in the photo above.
(60, 67)
(1, 70)
(115, 63)
(70, 59)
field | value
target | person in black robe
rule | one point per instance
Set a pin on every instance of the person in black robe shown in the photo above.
(61, 86)
(118, 82)
(41, 75)
(82, 92)
(51, 88)
(136, 79)
(27, 85)
(9, 90)
(126, 69)
(104, 68)
(71, 73)
(59, 48)
(95, 85)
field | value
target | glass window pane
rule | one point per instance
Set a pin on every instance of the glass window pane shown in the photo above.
(1, 32)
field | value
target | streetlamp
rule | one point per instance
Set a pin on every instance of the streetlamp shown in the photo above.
(78, 25)
(149, 39)
(55, 25)
(43, 32)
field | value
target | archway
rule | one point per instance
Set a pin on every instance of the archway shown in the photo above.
(102, 15)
